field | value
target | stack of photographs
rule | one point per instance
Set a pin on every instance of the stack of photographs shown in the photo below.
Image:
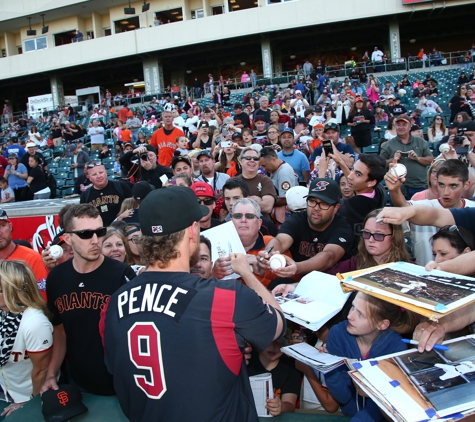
(411, 386)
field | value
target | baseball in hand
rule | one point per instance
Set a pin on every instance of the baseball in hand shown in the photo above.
(444, 148)
(56, 251)
(277, 261)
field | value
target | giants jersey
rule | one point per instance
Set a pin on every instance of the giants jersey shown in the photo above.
(35, 335)
(174, 343)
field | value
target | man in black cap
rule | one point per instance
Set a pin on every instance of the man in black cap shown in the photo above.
(142, 161)
(317, 238)
(170, 334)
(181, 164)
(332, 132)
(139, 191)
(241, 120)
(214, 178)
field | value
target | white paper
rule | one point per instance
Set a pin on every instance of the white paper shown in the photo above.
(262, 389)
(224, 241)
(317, 298)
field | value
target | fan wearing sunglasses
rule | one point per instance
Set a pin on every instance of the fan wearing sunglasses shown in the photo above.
(379, 244)
(261, 188)
(77, 291)
(205, 196)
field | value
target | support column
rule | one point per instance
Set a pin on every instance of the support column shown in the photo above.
(206, 8)
(57, 91)
(266, 50)
(97, 25)
(10, 46)
(186, 12)
(277, 58)
(153, 76)
(394, 39)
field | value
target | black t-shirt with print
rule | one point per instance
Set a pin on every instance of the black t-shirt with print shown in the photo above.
(76, 301)
(308, 242)
(107, 200)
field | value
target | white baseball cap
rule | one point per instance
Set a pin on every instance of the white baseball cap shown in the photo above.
(296, 198)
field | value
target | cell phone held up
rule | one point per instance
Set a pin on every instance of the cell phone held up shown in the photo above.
(327, 147)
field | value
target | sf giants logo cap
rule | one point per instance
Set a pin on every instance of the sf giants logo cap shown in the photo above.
(63, 404)
(63, 397)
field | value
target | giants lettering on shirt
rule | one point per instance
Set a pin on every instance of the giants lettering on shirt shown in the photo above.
(106, 199)
(310, 249)
(165, 144)
(86, 300)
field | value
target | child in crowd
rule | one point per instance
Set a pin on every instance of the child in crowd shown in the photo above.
(373, 329)
(285, 378)
(126, 134)
(183, 144)
(7, 192)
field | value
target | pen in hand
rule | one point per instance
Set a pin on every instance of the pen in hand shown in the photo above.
(267, 252)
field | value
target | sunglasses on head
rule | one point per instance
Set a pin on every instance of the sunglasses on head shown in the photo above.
(87, 234)
(208, 201)
(379, 237)
(94, 163)
(455, 228)
(246, 157)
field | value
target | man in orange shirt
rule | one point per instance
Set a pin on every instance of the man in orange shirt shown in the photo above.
(11, 251)
(164, 139)
(246, 217)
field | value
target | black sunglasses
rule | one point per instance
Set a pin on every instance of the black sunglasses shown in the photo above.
(208, 201)
(455, 228)
(379, 237)
(246, 157)
(87, 234)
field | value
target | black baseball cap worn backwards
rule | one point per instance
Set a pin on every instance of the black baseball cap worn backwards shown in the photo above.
(169, 210)
(325, 189)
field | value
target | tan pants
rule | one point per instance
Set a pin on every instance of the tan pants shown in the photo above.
(96, 147)
(57, 142)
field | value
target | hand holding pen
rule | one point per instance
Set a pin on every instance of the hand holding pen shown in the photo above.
(264, 258)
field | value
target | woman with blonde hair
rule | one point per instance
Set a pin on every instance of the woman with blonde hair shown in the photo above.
(25, 329)
(432, 191)
(115, 246)
(273, 137)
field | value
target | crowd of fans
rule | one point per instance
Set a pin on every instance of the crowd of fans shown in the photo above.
(297, 171)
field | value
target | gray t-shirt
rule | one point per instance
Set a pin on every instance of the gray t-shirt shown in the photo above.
(416, 173)
(284, 178)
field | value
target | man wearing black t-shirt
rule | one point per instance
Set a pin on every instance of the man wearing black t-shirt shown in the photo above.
(241, 119)
(106, 195)
(317, 238)
(263, 110)
(174, 340)
(77, 291)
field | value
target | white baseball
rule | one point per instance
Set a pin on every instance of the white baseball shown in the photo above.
(277, 261)
(56, 251)
(399, 170)
(444, 148)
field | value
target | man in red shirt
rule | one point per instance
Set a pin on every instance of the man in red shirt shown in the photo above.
(164, 139)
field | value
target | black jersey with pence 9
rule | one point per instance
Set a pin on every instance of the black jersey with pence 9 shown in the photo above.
(174, 343)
